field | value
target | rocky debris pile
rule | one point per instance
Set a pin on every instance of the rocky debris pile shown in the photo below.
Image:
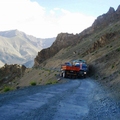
(9, 72)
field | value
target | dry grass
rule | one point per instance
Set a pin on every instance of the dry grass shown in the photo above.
(39, 76)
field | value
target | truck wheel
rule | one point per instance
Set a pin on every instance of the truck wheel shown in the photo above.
(71, 76)
(84, 76)
(64, 75)
(75, 76)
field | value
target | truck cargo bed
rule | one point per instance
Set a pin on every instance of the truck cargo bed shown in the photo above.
(70, 68)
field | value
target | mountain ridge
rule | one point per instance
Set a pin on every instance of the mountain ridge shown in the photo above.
(19, 48)
(102, 21)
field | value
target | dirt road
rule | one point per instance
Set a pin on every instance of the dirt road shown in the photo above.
(82, 99)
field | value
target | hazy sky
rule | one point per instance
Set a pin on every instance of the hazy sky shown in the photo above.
(47, 18)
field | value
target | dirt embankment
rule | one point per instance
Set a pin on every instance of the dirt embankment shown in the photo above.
(106, 70)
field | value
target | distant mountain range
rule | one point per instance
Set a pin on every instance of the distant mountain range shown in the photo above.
(16, 47)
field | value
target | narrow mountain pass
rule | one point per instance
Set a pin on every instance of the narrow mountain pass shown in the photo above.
(78, 99)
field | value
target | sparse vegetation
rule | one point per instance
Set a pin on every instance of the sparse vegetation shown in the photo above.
(112, 66)
(118, 49)
(51, 82)
(6, 89)
(33, 83)
(104, 78)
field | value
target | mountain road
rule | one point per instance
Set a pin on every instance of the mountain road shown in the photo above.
(77, 99)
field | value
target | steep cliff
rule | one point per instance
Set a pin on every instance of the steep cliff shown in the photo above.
(63, 40)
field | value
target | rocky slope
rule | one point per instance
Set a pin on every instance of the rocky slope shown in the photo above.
(64, 40)
(19, 48)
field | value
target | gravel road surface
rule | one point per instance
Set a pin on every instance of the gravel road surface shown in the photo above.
(82, 99)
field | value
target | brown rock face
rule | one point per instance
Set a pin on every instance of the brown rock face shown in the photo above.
(105, 39)
(9, 72)
(64, 39)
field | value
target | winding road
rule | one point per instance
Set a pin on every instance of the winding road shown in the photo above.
(82, 99)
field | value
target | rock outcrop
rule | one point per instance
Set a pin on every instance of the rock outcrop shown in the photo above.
(105, 19)
(9, 72)
(104, 40)
(64, 39)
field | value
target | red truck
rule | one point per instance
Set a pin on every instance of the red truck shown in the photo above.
(74, 69)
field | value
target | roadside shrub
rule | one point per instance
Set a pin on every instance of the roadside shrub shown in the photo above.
(112, 66)
(104, 78)
(33, 83)
(6, 89)
(48, 83)
(118, 49)
(54, 82)
(51, 82)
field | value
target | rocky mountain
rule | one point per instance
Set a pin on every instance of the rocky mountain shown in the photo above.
(64, 40)
(17, 47)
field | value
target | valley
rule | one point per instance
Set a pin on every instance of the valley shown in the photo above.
(17, 47)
